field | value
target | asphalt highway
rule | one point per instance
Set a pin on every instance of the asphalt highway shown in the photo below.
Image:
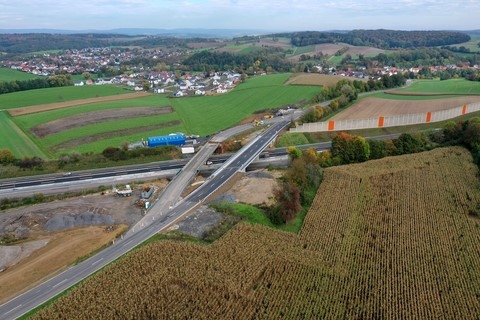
(52, 287)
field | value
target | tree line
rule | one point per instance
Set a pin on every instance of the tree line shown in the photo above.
(263, 58)
(381, 38)
(61, 80)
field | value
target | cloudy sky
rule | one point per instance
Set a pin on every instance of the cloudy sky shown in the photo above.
(277, 15)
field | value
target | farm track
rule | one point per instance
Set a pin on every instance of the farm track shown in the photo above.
(60, 105)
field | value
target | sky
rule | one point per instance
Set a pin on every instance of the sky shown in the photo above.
(271, 15)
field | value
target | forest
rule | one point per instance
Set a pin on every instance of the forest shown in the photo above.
(381, 38)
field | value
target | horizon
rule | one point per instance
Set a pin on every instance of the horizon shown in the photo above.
(276, 15)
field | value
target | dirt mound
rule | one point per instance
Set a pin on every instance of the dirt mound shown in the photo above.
(84, 219)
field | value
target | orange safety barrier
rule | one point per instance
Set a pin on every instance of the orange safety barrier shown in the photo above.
(331, 125)
(429, 117)
(464, 109)
(381, 121)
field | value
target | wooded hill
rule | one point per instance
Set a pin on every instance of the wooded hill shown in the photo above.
(32, 42)
(381, 38)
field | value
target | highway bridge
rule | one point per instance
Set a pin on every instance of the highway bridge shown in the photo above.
(138, 234)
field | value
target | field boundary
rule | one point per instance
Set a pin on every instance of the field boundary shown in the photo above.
(60, 105)
(388, 121)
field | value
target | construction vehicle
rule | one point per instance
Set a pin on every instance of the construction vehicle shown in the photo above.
(127, 192)
(257, 122)
(147, 192)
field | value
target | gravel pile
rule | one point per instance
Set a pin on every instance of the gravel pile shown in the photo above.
(62, 222)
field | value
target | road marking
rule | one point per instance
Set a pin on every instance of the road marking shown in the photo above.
(94, 263)
(59, 283)
(126, 243)
(11, 310)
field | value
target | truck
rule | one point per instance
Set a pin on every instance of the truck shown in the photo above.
(127, 192)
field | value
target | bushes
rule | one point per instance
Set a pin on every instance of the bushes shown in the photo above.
(117, 154)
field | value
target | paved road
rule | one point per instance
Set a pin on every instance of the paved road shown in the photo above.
(50, 288)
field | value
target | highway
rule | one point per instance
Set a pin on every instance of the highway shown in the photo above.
(52, 287)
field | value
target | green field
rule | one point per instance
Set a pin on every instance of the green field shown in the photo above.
(382, 95)
(472, 45)
(15, 140)
(7, 75)
(53, 95)
(196, 115)
(454, 86)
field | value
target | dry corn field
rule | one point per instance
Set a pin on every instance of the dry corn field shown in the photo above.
(387, 239)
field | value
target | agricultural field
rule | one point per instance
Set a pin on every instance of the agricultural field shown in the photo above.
(191, 115)
(472, 44)
(331, 49)
(452, 86)
(15, 140)
(317, 79)
(8, 74)
(375, 107)
(56, 95)
(399, 242)
(419, 97)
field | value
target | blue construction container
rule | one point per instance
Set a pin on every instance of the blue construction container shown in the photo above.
(172, 139)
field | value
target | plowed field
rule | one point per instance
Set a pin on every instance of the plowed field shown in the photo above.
(375, 107)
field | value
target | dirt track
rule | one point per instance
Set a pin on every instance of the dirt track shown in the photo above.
(66, 104)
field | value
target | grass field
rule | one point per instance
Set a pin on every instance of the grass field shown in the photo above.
(15, 140)
(7, 75)
(400, 241)
(53, 95)
(472, 45)
(196, 115)
(317, 79)
(453, 86)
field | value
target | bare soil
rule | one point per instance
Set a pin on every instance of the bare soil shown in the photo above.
(66, 104)
(95, 117)
(63, 249)
(375, 107)
(111, 134)
(58, 233)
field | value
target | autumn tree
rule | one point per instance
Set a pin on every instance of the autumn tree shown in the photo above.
(6, 157)
(350, 148)
(378, 149)
(407, 143)
(287, 196)
(294, 152)
(86, 75)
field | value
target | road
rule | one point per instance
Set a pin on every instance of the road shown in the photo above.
(52, 287)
